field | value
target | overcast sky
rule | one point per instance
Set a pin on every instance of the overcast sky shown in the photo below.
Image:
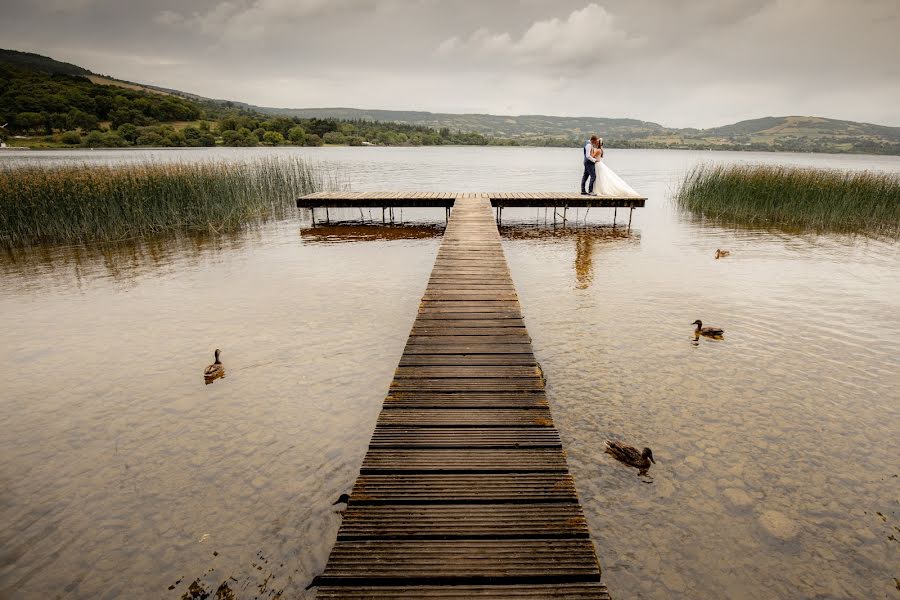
(680, 63)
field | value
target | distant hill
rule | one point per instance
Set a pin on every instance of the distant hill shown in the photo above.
(49, 91)
(796, 126)
(523, 126)
(37, 62)
(40, 96)
(794, 133)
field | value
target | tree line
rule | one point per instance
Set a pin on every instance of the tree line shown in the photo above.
(70, 110)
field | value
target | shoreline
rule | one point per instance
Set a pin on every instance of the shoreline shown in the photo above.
(163, 148)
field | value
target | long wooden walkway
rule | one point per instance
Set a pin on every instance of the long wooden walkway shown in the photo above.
(465, 491)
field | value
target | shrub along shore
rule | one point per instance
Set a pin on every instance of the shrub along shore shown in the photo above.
(102, 203)
(792, 197)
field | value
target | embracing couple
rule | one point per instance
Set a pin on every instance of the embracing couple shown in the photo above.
(600, 176)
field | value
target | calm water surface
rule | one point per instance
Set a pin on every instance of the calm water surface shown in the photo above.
(123, 475)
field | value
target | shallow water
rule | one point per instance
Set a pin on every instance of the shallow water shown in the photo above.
(123, 474)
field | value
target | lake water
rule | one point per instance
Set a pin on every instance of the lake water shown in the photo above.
(123, 475)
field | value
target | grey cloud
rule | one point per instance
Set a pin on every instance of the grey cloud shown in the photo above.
(582, 38)
(679, 62)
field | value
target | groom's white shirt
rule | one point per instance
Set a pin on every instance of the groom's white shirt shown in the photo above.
(587, 152)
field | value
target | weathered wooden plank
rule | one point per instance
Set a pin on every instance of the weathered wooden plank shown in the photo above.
(457, 339)
(438, 313)
(438, 323)
(556, 591)
(469, 460)
(472, 488)
(468, 372)
(479, 280)
(459, 400)
(475, 384)
(409, 360)
(465, 521)
(445, 330)
(470, 437)
(482, 417)
(472, 306)
(459, 271)
(465, 561)
(471, 287)
(466, 296)
(472, 348)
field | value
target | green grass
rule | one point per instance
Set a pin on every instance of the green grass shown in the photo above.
(101, 203)
(795, 198)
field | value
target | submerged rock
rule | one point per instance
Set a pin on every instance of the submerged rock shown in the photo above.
(778, 524)
(738, 497)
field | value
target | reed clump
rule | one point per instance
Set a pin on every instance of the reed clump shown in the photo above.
(796, 198)
(102, 203)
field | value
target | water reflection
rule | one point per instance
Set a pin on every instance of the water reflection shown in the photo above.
(368, 232)
(587, 239)
(123, 261)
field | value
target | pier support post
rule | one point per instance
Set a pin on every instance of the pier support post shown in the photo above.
(630, 213)
(615, 210)
(327, 218)
(312, 211)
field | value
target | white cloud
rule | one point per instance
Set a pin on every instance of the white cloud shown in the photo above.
(448, 46)
(168, 17)
(587, 35)
(244, 20)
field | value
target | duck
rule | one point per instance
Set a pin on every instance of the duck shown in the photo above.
(342, 499)
(707, 331)
(722, 253)
(630, 456)
(217, 369)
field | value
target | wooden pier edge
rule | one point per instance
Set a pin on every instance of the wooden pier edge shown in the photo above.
(387, 200)
(465, 490)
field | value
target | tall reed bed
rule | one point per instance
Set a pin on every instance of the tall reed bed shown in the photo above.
(761, 195)
(101, 203)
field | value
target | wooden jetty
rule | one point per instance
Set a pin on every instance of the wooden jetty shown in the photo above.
(465, 491)
(447, 200)
(388, 201)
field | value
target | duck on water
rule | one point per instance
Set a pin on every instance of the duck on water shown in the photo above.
(630, 456)
(707, 331)
(215, 370)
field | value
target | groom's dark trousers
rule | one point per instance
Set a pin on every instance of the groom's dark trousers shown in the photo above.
(590, 171)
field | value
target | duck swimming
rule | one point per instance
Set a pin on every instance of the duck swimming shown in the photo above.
(630, 456)
(722, 253)
(215, 370)
(707, 331)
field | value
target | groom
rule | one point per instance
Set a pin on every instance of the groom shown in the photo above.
(590, 166)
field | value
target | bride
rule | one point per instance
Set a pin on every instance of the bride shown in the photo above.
(608, 183)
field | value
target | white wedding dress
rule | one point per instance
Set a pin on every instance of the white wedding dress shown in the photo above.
(610, 184)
